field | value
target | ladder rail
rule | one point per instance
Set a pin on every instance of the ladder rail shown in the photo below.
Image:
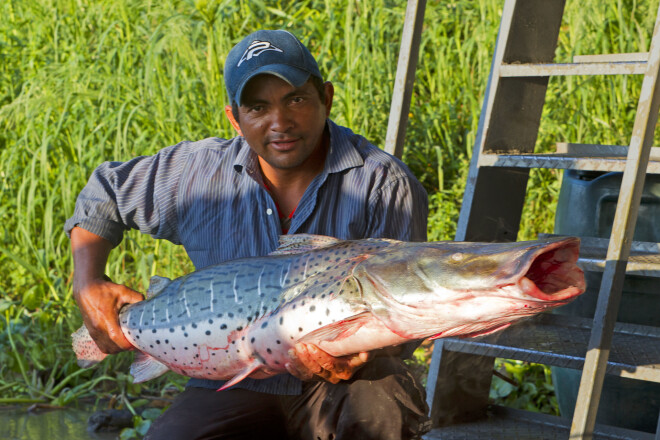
(405, 77)
(609, 297)
(484, 118)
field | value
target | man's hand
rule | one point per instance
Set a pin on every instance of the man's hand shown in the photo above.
(99, 302)
(98, 298)
(309, 361)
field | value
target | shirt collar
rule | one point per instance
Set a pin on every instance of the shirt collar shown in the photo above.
(246, 159)
(342, 154)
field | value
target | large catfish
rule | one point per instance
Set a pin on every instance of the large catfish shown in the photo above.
(232, 319)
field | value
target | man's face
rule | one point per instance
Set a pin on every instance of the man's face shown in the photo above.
(284, 124)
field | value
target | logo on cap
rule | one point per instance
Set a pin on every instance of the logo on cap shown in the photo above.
(255, 49)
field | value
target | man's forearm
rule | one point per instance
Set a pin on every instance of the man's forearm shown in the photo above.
(90, 255)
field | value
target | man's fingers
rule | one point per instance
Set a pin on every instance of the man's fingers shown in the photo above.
(117, 336)
(300, 373)
(109, 342)
(323, 359)
(131, 297)
(294, 371)
(300, 366)
(100, 303)
(112, 339)
(308, 361)
(125, 295)
(304, 359)
(359, 359)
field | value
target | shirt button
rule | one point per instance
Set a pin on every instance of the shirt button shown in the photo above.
(269, 211)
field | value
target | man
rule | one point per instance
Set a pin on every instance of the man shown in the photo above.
(290, 170)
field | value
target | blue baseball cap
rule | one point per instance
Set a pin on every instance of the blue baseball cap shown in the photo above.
(273, 52)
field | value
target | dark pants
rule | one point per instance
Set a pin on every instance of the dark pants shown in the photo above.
(382, 401)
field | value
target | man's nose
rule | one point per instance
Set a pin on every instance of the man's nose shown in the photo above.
(281, 119)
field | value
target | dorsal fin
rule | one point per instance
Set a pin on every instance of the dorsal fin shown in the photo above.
(299, 243)
(156, 285)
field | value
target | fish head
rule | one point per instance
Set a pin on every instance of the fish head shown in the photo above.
(462, 288)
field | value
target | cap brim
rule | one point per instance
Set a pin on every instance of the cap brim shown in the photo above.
(293, 75)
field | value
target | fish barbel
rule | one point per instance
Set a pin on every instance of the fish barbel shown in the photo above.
(229, 320)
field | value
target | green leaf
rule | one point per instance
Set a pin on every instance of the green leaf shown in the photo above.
(143, 427)
(139, 403)
(501, 388)
(5, 304)
(128, 434)
(151, 413)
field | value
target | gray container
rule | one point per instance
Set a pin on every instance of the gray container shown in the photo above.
(586, 207)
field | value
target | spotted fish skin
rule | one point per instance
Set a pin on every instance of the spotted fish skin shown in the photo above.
(232, 319)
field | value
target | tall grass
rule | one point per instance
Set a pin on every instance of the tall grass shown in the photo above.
(84, 81)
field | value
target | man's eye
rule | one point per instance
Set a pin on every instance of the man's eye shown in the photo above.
(297, 99)
(256, 108)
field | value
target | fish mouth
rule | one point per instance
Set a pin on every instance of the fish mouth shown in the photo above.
(553, 274)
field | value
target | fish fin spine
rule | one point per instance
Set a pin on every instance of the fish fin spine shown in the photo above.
(156, 285)
(300, 243)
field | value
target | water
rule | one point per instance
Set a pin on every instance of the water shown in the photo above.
(69, 424)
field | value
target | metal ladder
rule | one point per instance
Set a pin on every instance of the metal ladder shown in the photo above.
(461, 370)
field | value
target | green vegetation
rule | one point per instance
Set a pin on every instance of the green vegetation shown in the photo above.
(84, 81)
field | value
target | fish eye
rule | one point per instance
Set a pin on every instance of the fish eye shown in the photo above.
(457, 257)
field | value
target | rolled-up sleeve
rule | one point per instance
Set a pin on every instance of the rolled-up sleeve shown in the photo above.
(139, 194)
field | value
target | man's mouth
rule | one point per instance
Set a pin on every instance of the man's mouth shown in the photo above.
(283, 144)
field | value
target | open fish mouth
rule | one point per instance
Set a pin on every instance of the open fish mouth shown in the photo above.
(553, 274)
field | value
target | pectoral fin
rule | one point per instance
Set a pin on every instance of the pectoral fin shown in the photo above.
(146, 367)
(245, 372)
(485, 332)
(338, 330)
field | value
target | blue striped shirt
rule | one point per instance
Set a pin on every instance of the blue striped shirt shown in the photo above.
(209, 196)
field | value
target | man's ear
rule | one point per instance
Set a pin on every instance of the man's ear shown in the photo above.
(234, 122)
(329, 94)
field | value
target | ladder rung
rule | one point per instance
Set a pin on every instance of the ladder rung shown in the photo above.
(595, 150)
(566, 69)
(562, 341)
(612, 57)
(596, 162)
(638, 247)
(644, 259)
(504, 423)
(640, 265)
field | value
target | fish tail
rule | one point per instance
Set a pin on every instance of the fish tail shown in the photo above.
(87, 352)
